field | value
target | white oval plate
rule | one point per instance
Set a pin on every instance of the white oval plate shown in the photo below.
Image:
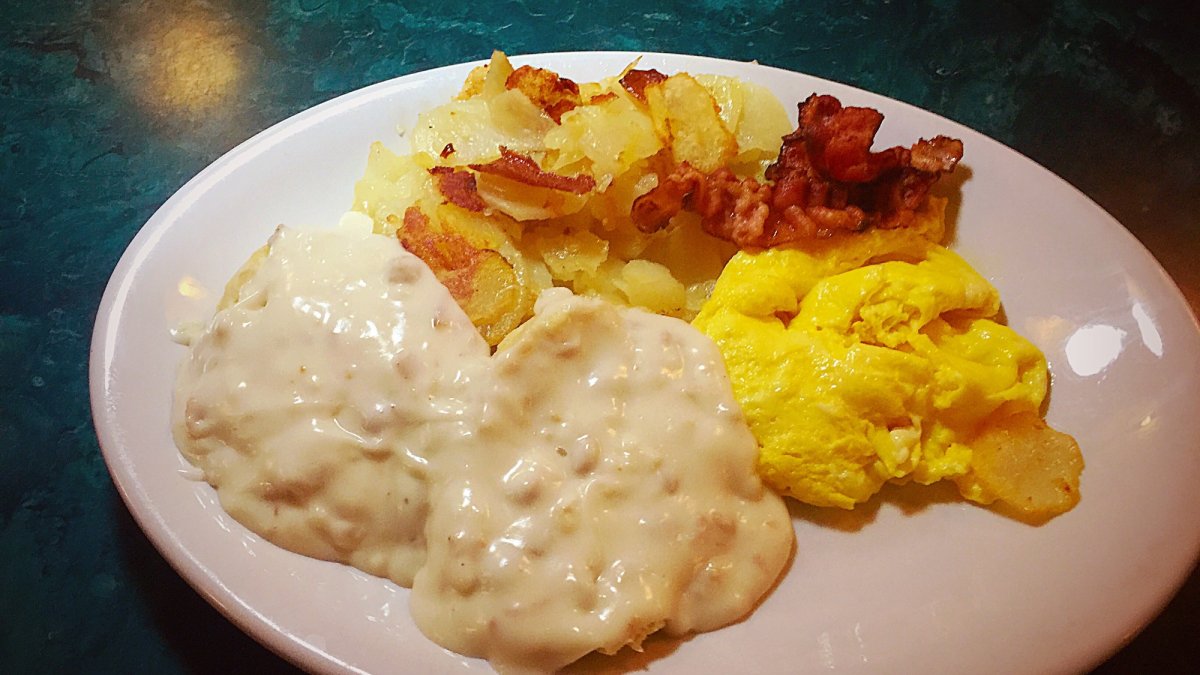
(916, 581)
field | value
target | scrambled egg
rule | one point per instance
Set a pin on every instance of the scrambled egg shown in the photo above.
(869, 358)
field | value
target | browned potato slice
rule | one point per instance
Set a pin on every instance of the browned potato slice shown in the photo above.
(687, 116)
(524, 202)
(494, 303)
(481, 280)
(553, 94)
(1029, 466)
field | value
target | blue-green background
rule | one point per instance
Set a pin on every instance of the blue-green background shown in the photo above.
(1104, 93)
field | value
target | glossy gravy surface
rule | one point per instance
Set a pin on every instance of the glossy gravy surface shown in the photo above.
(591, 483)
(315, 403)
(612, 493)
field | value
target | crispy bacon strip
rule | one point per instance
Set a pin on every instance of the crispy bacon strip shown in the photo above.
(825, 180)
(553, 94)
(602, 98)
(720, 198)
(458, 187)
(523, 169)
(636, 81)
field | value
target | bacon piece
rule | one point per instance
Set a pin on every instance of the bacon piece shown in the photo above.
(458, 187)
(837, 141)
(825, 180)
(602, 98)
(553, 94)
(522, 168)
(939, 154)
(636, 81)
(719, 198)
(740, 210)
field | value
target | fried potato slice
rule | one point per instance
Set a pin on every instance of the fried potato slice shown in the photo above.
(473, 130)
(688, 118)
(651, 285)
(390, 184)
(553, 94)
(755, 117)
(483, 282)
(1024, 463)
(487, 80)
(568, 255)
(524, 202)
(611, 134)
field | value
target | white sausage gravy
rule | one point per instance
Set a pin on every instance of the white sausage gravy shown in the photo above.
(589, 484)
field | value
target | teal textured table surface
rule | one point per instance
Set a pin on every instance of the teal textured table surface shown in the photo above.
(107, 108)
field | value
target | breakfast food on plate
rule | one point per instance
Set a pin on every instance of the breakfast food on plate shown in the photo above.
(526, 181)
(825, 181)
(451, 390)
(853, 373)
(313, 401)
(645, 165)
(629, 501)
(870, 353)
(590, 484)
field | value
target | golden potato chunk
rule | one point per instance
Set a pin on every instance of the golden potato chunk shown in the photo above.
(1032, 468)
(391, 184)
(651, 285)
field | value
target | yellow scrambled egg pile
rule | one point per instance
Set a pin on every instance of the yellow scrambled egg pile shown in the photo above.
(869, 359)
